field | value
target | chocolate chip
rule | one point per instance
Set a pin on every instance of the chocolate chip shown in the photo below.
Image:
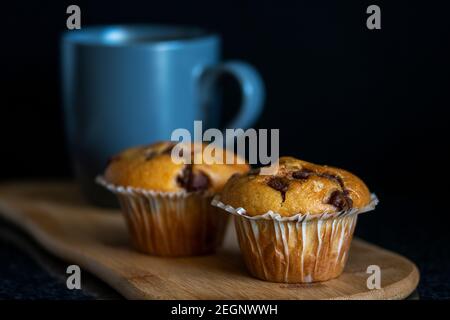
(340, 200)
(168, 150)
(150, 154)
(279, 184)
(183, 178)
(306, 173)
(193, 181)
(254, 172)
(302, 174)
(199, 182)
(349, 201)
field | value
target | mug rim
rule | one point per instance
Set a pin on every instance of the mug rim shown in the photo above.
(121, 35)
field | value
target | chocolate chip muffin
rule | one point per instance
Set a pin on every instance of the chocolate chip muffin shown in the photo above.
(298, 187)
(166, 202)
(151, 168)
(296, 225)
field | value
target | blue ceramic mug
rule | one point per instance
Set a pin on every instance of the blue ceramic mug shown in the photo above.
(129, 85)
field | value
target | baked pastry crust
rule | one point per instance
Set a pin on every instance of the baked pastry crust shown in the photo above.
(151, 167)
(297, 187)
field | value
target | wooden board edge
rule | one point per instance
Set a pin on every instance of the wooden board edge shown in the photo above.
(391, 292)
(14, 216)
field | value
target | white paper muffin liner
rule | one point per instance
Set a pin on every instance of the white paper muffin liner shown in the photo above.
(170, 223)
(298, 249)
(299, 217)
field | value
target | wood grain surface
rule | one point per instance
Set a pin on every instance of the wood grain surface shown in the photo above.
(57, 217)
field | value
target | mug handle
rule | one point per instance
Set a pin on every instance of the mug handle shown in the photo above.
(252, 88)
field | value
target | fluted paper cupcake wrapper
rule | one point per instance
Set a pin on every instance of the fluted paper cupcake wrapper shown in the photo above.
(299, 249)
(170, 223)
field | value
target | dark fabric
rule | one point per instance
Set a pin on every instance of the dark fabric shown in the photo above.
(23, 278)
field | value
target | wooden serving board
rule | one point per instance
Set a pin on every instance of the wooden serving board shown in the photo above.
(56, 216)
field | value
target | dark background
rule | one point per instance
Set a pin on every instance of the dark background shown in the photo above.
(372, 101)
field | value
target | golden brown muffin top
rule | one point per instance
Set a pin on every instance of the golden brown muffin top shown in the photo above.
(297, 187)
(151, 168)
